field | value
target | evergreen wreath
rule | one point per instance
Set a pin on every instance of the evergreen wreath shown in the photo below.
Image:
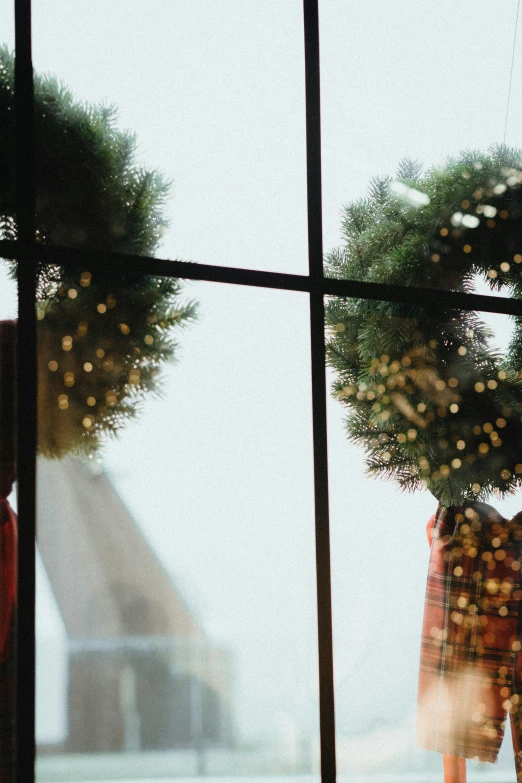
(102, 336)
(428, 398)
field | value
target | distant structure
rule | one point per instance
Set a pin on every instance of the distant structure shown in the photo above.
(142, 674)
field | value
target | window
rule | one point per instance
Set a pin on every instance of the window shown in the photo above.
(250, 266)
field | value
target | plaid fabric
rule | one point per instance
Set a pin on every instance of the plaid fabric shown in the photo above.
(8, 552)
(470, 674)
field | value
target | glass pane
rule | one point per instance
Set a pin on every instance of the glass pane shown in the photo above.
(215, 95)
(177, 625)
(402, 84)
(7, 9)
(424, 399)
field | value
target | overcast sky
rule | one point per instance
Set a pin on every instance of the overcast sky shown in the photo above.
(218, 473)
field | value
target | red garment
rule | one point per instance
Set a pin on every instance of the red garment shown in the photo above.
(470, 674)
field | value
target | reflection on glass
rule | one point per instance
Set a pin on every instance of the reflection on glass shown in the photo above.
(170, 637)
(218, 109)
(433, 404)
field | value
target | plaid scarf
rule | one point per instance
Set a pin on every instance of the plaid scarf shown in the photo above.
(470, 674)
(8, 551)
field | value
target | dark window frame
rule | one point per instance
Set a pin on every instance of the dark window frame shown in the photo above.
(29, 255)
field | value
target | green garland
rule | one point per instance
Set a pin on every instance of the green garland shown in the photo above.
(102, 336)
(428, 398)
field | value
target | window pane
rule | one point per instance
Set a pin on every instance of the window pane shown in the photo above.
(422, 84)
(177, 618)
(423, 411)
(215, 95)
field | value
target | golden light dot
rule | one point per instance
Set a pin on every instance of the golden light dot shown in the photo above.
(461, 445)
(435, 257)
(456, 463)
(440, 385)
(67, 342)
(477, 430)
(85, 279)
(453, 382)
(496, 541)
(454, 407)
(111, 398)
(505, 474)
(100, 353)
(501, 423)
(502, 375)
(517, 258)
(483, 448)
(68, 379)
(424, 464)
(83, 328)
(487, 555)
(516, 647)
(124, 329)
(40, 314)
(492, 274)
(91, 401)
(479, 387)
(401, 437)
(505, 266)
(421, 407)
(504, 692)
(386, 456)
(444, 470)
(467, 248)
(488, 427)
(464, 204)
(102, 308)
(476, 488)
(111, 304)
(490, 223)
(492, 384)
(458, 571)
(53, 366)
(462, 351)
(63, 401)
(518, 468)
(134, 376)
(444, 232)
(148, 339)
(497, 442)
(88, 422)
(503, 611)
(504, 214)
(87, 367)
(72, 293)
(412, 434)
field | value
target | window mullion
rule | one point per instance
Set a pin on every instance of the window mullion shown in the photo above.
(26, 395)
(322, 526)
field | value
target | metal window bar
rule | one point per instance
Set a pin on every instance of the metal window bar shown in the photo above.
(26, 396)
(28, 255)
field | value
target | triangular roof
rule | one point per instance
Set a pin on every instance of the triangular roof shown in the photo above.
(105, 577)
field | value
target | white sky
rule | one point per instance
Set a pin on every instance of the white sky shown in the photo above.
(219, 472)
